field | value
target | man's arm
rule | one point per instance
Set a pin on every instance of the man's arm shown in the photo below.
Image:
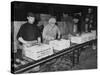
(22, 40)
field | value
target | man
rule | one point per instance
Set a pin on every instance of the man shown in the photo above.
(28, 35)
(51, 31)
(29, 32)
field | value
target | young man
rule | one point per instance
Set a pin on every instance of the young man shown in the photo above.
(29, 32)
(51, 31)
(28, 35)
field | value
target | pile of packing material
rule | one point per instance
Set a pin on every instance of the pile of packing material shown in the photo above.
(83, 38)
(38, 51)
(60, 44)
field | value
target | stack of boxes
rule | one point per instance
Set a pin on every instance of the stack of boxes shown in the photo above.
(60, 44)
(38, 51)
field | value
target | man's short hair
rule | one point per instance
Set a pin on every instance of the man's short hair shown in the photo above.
(30, 14)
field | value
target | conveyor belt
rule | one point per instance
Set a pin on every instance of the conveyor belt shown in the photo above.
(73, 49)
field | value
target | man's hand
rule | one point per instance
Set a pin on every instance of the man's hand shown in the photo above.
(27, 45)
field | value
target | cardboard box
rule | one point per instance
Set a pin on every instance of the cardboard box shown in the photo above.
(77, 39)
(90, 36)
(60, 44)
(38, 51)
(83, 38)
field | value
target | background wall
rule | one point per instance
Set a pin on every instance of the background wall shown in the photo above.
(20, 9)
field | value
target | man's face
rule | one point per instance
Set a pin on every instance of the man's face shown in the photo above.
(31, 19)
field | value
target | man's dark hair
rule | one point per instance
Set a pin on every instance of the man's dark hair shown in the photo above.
(30, 14)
